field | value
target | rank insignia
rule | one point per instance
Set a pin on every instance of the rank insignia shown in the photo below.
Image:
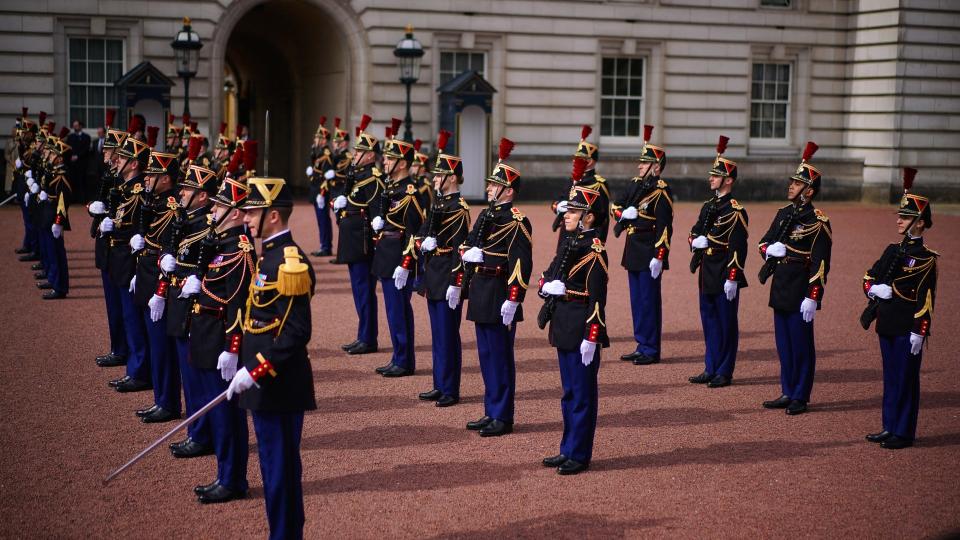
(245, 244)
(911, 262)
(411, 189)
(261, 279)
(217, 260)
(137, 188)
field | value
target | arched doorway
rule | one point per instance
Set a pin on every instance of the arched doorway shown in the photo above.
(299, 59)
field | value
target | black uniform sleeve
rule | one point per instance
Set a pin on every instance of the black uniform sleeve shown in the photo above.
(737, 248)
(926, 298)
(520, 260)
(875, 273)
(595, 329)
(820, 261)
(663, 230)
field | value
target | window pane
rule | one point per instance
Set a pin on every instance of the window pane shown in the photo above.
(766, 130)
(620, 107)
(754, 111)
(446, 62)
(607, 86)
(114, 71)
(633, 127)
(779, 130)
(77, 113)
(769, 91)
(754, 128)
(783, 72)
(115, 50)
(767, 111)
(636, 86)
(769, 72)
(608, 65)
(606, 126)
(606, 107)
(78, 96)
(783, 92)
(620, 127)
(757, 71)
(78, 49)
(622, 67)
(633, 108)
(95, 49)
(477, 63)
(621, 87)
(96, 72)
(95, 96)
(460, 63)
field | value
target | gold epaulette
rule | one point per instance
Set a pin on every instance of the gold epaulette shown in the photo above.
(735, 205)
(597, 245)
(820, 215)
(292, 277)
(661, 184)
(932, 252)
(376, 172)
(463, 204)
(517, 214)
(411, 189)
(600, 179)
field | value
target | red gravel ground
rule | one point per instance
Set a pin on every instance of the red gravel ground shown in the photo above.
(672, 459)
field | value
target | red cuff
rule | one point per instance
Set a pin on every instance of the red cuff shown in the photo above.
(162, 286)
(58, 219)
(661, 252)
(732, 275)
(540, 283)
(763, 250)
(458, 281)
(407, 259)
(617, 214)
(594, 333)
(514, 293)
(233, 342)
(924, 327)
(866, 286)
(815, 292)
(262, 369)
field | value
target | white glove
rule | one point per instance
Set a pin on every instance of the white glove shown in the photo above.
(629, 213)
(190, 287)
(330, 174)
(808, 308)
(562, 207)
(26, 199)
(587, 350)
(19, 163)
(473, 255)
(730, 289)
(776, 249)
(377, 223)
(429, 244)
(508, 310)
(309, 171)
(97, 208)
(136, 242)
(227, 364)
(156, 305)
(240, 383)
(554, 288)
(400, 275)
(339, 202)
(29, 175)
(106, 225)
(34, 188)
(453, 296)
(656, 266)
(321, 201)
(43, 196)
(880, 291)
(916, 343)
(57, 230)
(700, 242)
(133, 285)
(168, 263)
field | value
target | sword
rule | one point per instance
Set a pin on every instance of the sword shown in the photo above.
(266, 145)
(8, 199)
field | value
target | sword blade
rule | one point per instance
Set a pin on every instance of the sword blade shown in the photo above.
(266, 145)
(8, 199)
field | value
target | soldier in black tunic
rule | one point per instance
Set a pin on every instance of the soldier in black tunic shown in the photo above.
(591, 153)
(319, 173)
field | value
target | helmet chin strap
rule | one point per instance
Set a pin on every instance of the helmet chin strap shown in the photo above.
(263, 214)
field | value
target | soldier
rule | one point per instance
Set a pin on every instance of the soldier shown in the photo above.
(216, 332)
(646, 213)
(53, 201)
(443, 232)
(320, 172)
(397, 218)
(25, 133)
(718, 241)
(796, 249)
(577, 293)
(222, 151)
(342, 159)
(419, 171)
(120, 225)
(275, 381)
(172, 145)
(500, 254)
(155, 232)
(902, 287)
(355, 245)
(592, 180)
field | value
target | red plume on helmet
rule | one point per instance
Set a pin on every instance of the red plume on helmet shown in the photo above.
(193, 126)
(909, 173)
(395, 126)
(810, 150)
(136, 124)
(506, 146)
(417, 144)
(250, 155)
(111, 114)
(647, 132)
(171, 118)
(193, 150)
(323, 120)
(152, 132)
(186, 119)
(442, 139)
(51, 125)
(722, 144)
(585, 132)
(364, 122)
(64, 131)
(239, 130)
(336, 122)
(223, 127)
(42, 118)
(579, 166)
(388, 132)
(235, 160)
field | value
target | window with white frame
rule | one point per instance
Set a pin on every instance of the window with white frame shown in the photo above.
(621, 100)
(93, 64)
(770, 101)
(453, 63)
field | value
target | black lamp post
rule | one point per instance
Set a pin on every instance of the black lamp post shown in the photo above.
(408, 52)
(186, 48)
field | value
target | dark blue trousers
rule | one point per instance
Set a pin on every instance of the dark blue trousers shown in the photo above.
(55, 261)
(901, 386)
(199, 430)
(447, 351)
(228, 427)
(324, 226)
(400, 322)
(495, 349)
(578, 404)
(111, 297)
(278, 444)
(163, 364)
(720, 332)
(138, 361)
(798, 355)
(647, 311)
(364, 287)
(28, 236)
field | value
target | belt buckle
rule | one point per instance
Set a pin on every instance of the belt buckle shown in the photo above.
(196, 308)
(709, 251)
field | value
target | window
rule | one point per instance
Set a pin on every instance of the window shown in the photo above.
(93, 66)
(770, 101)
(621, 100)
(453, 63)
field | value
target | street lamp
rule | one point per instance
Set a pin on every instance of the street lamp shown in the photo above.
(408, 52)
(186, 48)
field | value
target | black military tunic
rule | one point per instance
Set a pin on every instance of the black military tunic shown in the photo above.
(59, 191)
(157, 230)
(914, 283)
(590, 180)
(341, 165)
(648, 236)
(449, 222)
(580, 314)
(726, 251)
(191, 235)
(356, 235)
(802, 273)
(402, 218)
(321, 160)
(121, 263)
(277, 329)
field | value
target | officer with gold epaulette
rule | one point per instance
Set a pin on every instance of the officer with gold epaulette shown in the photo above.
(645, 212)
(796, 250)
(342, 159)
(591, 153)
(354, 210)
(40, 170)
(154, 233)
(575, 289)
(441, 235)
(25, 133)
(121, 223)
(718, 241)
(55, 191)
(216, 332)
(275, 382)
(497, 259)
(902, 288)
(320, 172)
(397, 219)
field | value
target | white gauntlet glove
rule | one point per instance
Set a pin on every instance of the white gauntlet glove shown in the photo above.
(400, 275)
(19, 163)
(587, 350)
(133, 285)
(190, 287)
(330, 174)
(96, 208)
(730, 289)
(554, 288)
(700, 242)
(377, 223)
(106, 225)
(321, 201)
(429, 244)
(453, 296)
(168, 263)
(137, 242)
(808, 308)
(656, 266)
(57, 230)
(34, 188)
(776, 249)
(43, 196)
(562, 207)
(309, 171)
(473, 255)
(156, 305)
(629, 213)
(508, 310)
(227, 364)
(240, 383)
(916, 343)
(880, 291)
(340, 203)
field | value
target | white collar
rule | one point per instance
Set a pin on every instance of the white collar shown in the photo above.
(278, 234)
